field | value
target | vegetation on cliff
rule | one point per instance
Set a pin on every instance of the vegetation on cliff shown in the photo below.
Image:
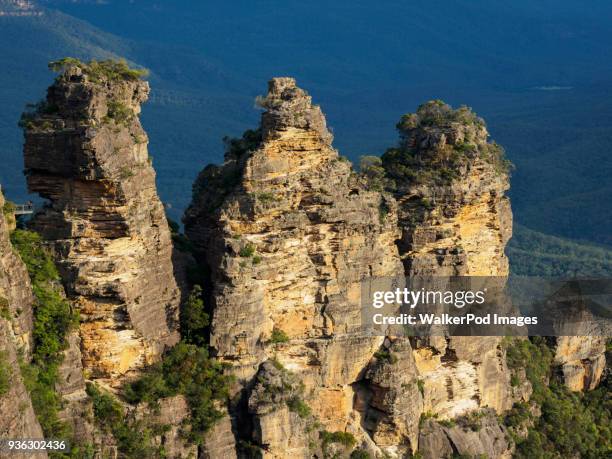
(187, 370)
(53, 319)
(5, 373)
(134, 437)
(437, 143)
(570, 423)
(97, 71)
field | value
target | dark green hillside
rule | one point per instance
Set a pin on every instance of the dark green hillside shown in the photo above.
(535, 254)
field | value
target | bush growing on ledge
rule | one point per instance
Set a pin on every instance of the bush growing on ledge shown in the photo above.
(297, 405)
(344, 438)
(278, 336)
(371, 169)
(190, 371)
(119, 113)
(112, 70)
(134, 438)
(247, 251)
(194, 318)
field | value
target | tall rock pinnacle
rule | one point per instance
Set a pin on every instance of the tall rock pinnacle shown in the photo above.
(86, 153)
(287, 233)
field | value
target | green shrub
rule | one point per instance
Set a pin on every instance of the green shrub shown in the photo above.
(266, 197)
(247, 251)
(8, 209)
(190, 371)
(112, 70)
(371, 169)
(278, 336)
(360, 454)
(134, 438)
(119, 113)
(297, 405)
(237, 147)
(344, 438)
(421, 386)
(383, 211)
(385, 355)
(194, 319)
(5, 373)
(5, 312)
(449, 423)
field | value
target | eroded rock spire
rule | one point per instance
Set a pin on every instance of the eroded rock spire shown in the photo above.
(86, 153)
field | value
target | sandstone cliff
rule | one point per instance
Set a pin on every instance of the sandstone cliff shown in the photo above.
(86, 153)
(287, 232)
(16, 296)
(18, 419)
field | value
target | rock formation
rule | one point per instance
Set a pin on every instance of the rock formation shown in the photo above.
(287, 233)
(16, 296)
(18, 419)
(86, 153)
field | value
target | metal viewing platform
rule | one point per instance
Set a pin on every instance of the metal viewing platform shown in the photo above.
(24, 209)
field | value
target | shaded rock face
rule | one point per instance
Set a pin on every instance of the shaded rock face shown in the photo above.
(86, 153)
(16, 296)
(480, 435)
(18, 419)
(390, 399)
(287, 232)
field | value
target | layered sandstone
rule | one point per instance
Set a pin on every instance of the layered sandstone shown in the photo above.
(449, 183)
(16, 296)
(18, 419)
(287, 233)
(86, 153)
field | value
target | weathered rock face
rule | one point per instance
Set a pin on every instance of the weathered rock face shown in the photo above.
(477, 435)
(287, 232)
(16, 296)
(450, 184)
(86, 152)
(18, 419)
(390, 399)
(455, 221)
(582, 360)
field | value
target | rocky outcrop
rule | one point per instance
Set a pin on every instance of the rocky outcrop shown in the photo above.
(582, 360)
(449, 182)
(86, 153)
(16, 296)
(476, 435)
(287, 232)
(18, 419)
(390, 399)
